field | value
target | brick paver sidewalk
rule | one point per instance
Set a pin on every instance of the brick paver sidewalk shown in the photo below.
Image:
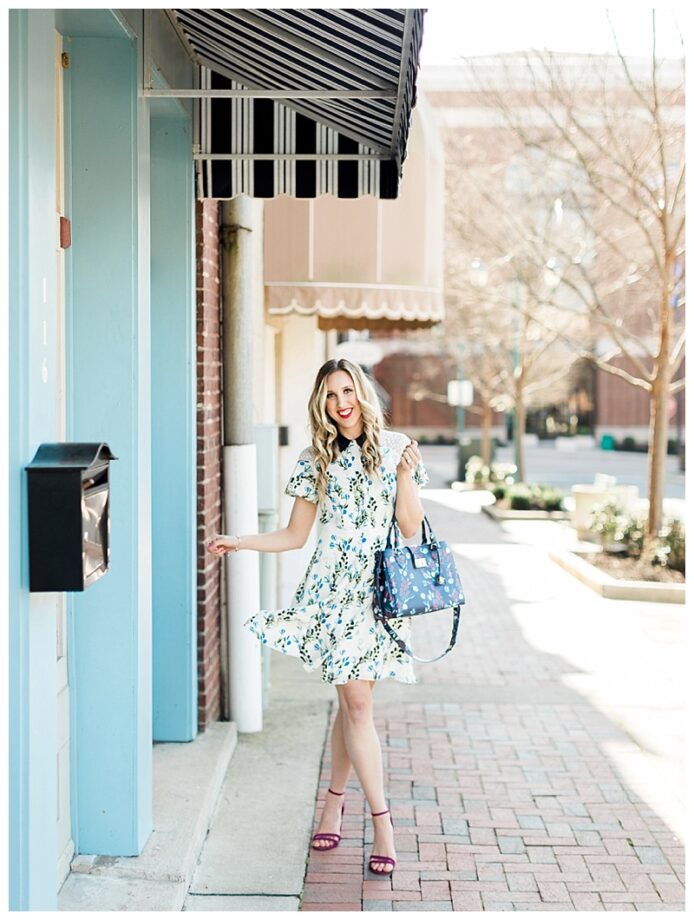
(501, 776)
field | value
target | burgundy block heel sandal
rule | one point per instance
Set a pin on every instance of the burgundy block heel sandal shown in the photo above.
(374, 858)
(333, 838)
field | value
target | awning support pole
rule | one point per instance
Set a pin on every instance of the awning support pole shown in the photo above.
(306, 157)
(288, 94)
(239, 461)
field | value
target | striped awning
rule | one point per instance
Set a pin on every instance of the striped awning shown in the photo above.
(304, 101)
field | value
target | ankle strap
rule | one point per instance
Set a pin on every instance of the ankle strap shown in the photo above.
(375, 814)
(335, 793)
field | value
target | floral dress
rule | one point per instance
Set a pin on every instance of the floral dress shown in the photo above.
(330, 624)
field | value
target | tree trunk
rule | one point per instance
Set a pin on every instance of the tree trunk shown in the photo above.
(657, 450)
(486, 425)
(658, 427)
(518, 432)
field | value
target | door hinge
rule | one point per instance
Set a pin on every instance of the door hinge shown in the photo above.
(65, 60)
(64, 232)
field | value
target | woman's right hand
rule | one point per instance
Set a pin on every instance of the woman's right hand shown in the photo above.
(221, 544)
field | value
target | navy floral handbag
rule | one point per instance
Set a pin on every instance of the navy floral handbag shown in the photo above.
(411, 580)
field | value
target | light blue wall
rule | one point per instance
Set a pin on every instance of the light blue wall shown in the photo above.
(33, 418)
(174, 576)
(109, 366)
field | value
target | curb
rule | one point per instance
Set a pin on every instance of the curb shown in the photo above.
(617, 588)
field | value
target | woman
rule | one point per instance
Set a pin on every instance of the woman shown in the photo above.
(355, 475)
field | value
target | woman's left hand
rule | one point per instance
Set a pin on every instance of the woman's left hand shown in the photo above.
(409, 459)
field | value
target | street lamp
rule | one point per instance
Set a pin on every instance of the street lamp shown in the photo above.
(478, 276)
(519, 297)
(460, 391)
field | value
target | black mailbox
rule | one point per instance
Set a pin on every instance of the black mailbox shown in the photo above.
(68, 516)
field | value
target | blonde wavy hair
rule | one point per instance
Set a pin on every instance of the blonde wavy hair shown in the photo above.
(324, 430)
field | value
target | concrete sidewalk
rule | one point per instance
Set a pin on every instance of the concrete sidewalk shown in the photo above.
(538, 766)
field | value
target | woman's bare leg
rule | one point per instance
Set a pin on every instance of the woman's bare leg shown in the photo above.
(364, 750)
(340, 768)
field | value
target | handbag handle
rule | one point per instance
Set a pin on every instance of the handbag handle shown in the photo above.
(408, 651)
(396, 541)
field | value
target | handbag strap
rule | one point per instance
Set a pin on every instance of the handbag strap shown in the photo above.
(408, 651)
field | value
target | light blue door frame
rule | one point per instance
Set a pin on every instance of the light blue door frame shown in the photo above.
(109, 371)
(174, 503)
(33, 418)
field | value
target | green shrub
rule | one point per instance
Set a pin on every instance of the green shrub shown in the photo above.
(616, 528)
(472, 464)
(671, 544)
(499, 491)
(503, 472)
(520, 496)
(630, 533)
(534, 496)
(552, 499)
(604, 520)
(619, 531)
(476, 471)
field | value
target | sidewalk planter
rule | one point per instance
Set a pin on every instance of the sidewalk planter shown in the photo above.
(586, 495)
(617, 588)
(534, 514)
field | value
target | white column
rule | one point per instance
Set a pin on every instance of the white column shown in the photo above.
(243, 591)
(239, 457)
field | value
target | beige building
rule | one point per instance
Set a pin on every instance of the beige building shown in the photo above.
(596, 401)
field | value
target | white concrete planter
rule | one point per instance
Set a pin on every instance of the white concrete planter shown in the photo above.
(586, 495)
(533, 514)
(618, 588)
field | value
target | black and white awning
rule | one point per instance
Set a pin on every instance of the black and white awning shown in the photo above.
(303, 102)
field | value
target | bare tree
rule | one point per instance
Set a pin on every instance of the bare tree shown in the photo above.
(615, 126)
(501, 292)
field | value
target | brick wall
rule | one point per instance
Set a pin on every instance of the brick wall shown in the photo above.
(619, 402)
(209, 459)
(398, 372)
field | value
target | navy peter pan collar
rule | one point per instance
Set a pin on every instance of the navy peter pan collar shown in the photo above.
(343, 442)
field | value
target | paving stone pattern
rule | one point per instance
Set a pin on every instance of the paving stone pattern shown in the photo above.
(502, 795)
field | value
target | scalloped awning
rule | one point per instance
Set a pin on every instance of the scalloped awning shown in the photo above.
(364, 264)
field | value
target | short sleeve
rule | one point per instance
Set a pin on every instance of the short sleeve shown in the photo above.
(399, 443)
(420, 475)
(302, 482)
